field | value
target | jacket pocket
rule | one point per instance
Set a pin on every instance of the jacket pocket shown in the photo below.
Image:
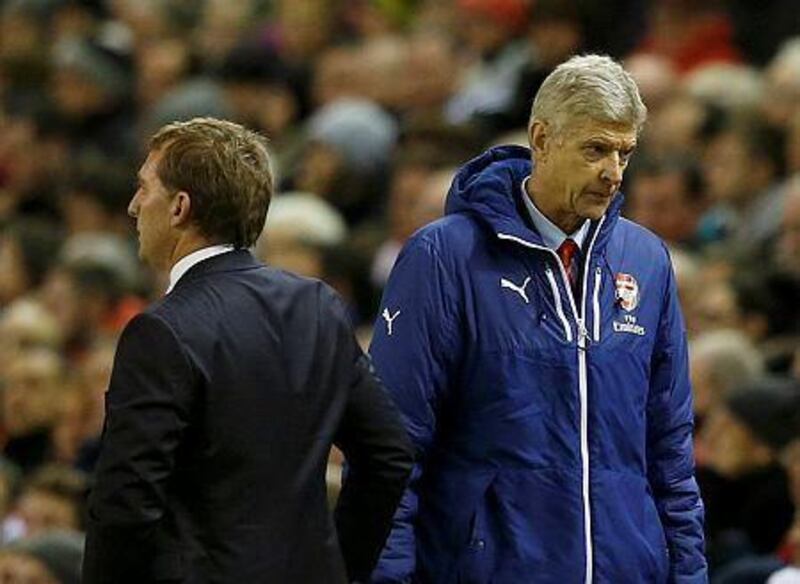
(475, 562)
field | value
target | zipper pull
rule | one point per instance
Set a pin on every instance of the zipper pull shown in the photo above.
(583, 334)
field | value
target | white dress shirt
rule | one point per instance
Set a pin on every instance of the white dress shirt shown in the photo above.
(551, 234)
(186, 262)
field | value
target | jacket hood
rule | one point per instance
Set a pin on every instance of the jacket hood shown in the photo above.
(489, 188)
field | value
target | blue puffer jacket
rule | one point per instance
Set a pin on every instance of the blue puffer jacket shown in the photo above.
(554, 435)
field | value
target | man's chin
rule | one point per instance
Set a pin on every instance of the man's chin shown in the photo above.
(595, 207)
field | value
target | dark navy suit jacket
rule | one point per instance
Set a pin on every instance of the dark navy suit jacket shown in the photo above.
(225, 398)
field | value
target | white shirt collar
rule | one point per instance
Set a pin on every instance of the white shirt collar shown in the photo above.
(551, 234)
(184, 264)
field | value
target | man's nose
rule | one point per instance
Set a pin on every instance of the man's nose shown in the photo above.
(612, 170)
(133, 206)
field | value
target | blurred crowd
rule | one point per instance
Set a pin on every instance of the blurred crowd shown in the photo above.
(370, 106)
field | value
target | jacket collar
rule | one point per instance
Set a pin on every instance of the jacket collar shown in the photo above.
(186, 263)
(233, 261)
(489, 188)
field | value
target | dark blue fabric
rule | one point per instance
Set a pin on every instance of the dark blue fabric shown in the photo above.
(486, 373)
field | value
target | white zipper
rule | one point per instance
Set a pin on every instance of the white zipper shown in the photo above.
(598, 276)
(559, 309)
(583, 389)
(587, 509)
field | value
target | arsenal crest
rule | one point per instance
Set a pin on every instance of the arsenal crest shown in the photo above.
(627, 293)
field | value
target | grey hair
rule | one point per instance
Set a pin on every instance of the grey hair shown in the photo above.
(593, 87)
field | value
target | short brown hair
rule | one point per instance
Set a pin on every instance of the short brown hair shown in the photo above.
(225, 169)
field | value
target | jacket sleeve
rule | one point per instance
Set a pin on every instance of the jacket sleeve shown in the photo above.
(670, 456)
(147, 407)
(379, 459)
(415, 346)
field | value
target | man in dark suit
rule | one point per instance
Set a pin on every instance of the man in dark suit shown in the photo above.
(227, 394)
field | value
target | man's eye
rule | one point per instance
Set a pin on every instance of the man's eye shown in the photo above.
(595, 150)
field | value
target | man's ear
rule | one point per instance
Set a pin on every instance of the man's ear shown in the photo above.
(540, 138)
(180, 209)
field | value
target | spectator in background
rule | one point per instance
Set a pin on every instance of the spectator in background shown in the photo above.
(10, 479)
(429, 146)
(791, 572)
(491, 32)
(52, 498)
(677, 128)
(161, 64)
(656, 78)
(715, 305)
(33, 157)
(741, 167)
(23, 54)
(30, 392)
(304, 29)
(792, 146)
(95, 196)
(721, 360)
(554, 33)
(735, 90)
(768, 312)
(258, 87)
(782, 78)
(782, 567)
(299, 229)
(410, 75)
(77, 18)
(346, 161)
(193, 97)
(28, 249)
(411, 207)
(787, 248)
(749, 508)
(50, 558)
(69, 431)
(25, 325)
(761, 28)
(219, 27)
(690, 35)
(93, 376)
(89, 300)
(666, 195)
(92, 90)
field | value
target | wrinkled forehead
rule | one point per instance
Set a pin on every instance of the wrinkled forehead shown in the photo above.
(622, 135)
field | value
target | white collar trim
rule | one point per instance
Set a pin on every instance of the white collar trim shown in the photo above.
(184, 264)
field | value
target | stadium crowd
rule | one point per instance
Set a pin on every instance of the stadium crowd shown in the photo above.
(370, 106)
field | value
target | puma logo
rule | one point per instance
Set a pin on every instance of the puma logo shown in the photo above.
(504, 283)
(389, 318)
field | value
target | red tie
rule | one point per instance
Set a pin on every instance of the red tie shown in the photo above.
(566, 253)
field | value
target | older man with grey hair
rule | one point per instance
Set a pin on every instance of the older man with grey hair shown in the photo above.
(534, 342)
